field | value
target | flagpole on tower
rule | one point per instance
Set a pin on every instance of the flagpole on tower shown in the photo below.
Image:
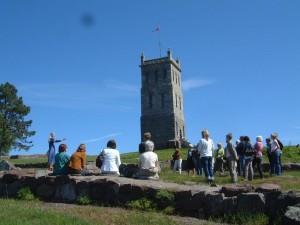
(157, 29)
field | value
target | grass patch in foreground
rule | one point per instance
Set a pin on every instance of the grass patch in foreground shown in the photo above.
(29, 213)
(243, 218)
(16, 212)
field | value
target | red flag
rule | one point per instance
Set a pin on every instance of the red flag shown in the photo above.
(157, 29)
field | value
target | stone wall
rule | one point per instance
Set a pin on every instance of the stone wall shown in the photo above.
(199, 201)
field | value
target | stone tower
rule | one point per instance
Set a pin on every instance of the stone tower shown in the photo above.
(162, 100)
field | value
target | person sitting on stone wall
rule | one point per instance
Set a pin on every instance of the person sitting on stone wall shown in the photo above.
(61, 161)
(110, 157)
(148, 166)
(77, 164)
(147, 144)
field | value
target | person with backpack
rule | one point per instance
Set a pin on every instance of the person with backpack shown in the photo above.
(276, 151)
(249, 155)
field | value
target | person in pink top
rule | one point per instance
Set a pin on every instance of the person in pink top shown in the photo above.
(258, 158)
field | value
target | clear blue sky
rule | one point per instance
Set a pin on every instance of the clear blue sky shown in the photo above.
(76, 63)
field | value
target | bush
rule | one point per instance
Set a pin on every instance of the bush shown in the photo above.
(165, 199)
(143, 204)
(83, 200)
(25, 194)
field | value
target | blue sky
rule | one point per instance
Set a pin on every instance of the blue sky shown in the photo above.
(76, 63)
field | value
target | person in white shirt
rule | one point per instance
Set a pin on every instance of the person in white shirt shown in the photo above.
(148, 166)
(110, 157)
(205, 149)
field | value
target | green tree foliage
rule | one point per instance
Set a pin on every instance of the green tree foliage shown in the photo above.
(14, 128)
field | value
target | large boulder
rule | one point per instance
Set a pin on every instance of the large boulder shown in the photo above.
(105, 191)
(65, 192)
(45, 191)
(268, 188)
(236, 189)
(213, 204)
(229, 205)
(251, 203)
(292, 216)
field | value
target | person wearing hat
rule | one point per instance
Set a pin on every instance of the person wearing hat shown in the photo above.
(111, 160)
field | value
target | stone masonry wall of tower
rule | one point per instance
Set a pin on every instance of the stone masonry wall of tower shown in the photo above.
(162, 100)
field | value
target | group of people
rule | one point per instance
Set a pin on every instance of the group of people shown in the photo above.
(240, 158)
(108, 160)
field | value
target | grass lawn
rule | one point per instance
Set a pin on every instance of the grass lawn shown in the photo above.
(16, 212)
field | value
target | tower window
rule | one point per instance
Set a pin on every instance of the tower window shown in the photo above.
(180, 133)
(156, 76)
(179, 103)
(176, 101)
(176, 78)
(150, 101)
(173, 75)
(165, 74)
(147, 77)
(162, 101)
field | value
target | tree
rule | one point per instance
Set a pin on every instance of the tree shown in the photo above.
(14, 127)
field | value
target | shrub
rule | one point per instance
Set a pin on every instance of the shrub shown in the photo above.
(83, 200)
(165, 199)
(143, 204)
(25, 194)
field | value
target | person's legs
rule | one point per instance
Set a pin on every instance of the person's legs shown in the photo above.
(242, 165)
(232, 171)
(204, 162)
(277, 163)
(251, 173)
(246, 169)
(175, 165)
(200, 166)
(179, 165)
(259, 166)
(210, 168)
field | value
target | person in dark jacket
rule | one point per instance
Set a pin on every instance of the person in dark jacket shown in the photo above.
(249, 155)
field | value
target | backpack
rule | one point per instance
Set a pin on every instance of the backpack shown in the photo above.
(280, 144)
(99, 161)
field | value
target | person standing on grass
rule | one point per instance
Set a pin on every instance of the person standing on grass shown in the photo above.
(275, 155)
(249, 155)
(205, 148)
(268, 148)
(61, 161)
(258, 147)
(51, 151)
(219, 155)
(190, 161)
(240, 148)
(232, 158)
(177, 160)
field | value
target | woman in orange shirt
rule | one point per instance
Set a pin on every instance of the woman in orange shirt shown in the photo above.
(78, 160)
